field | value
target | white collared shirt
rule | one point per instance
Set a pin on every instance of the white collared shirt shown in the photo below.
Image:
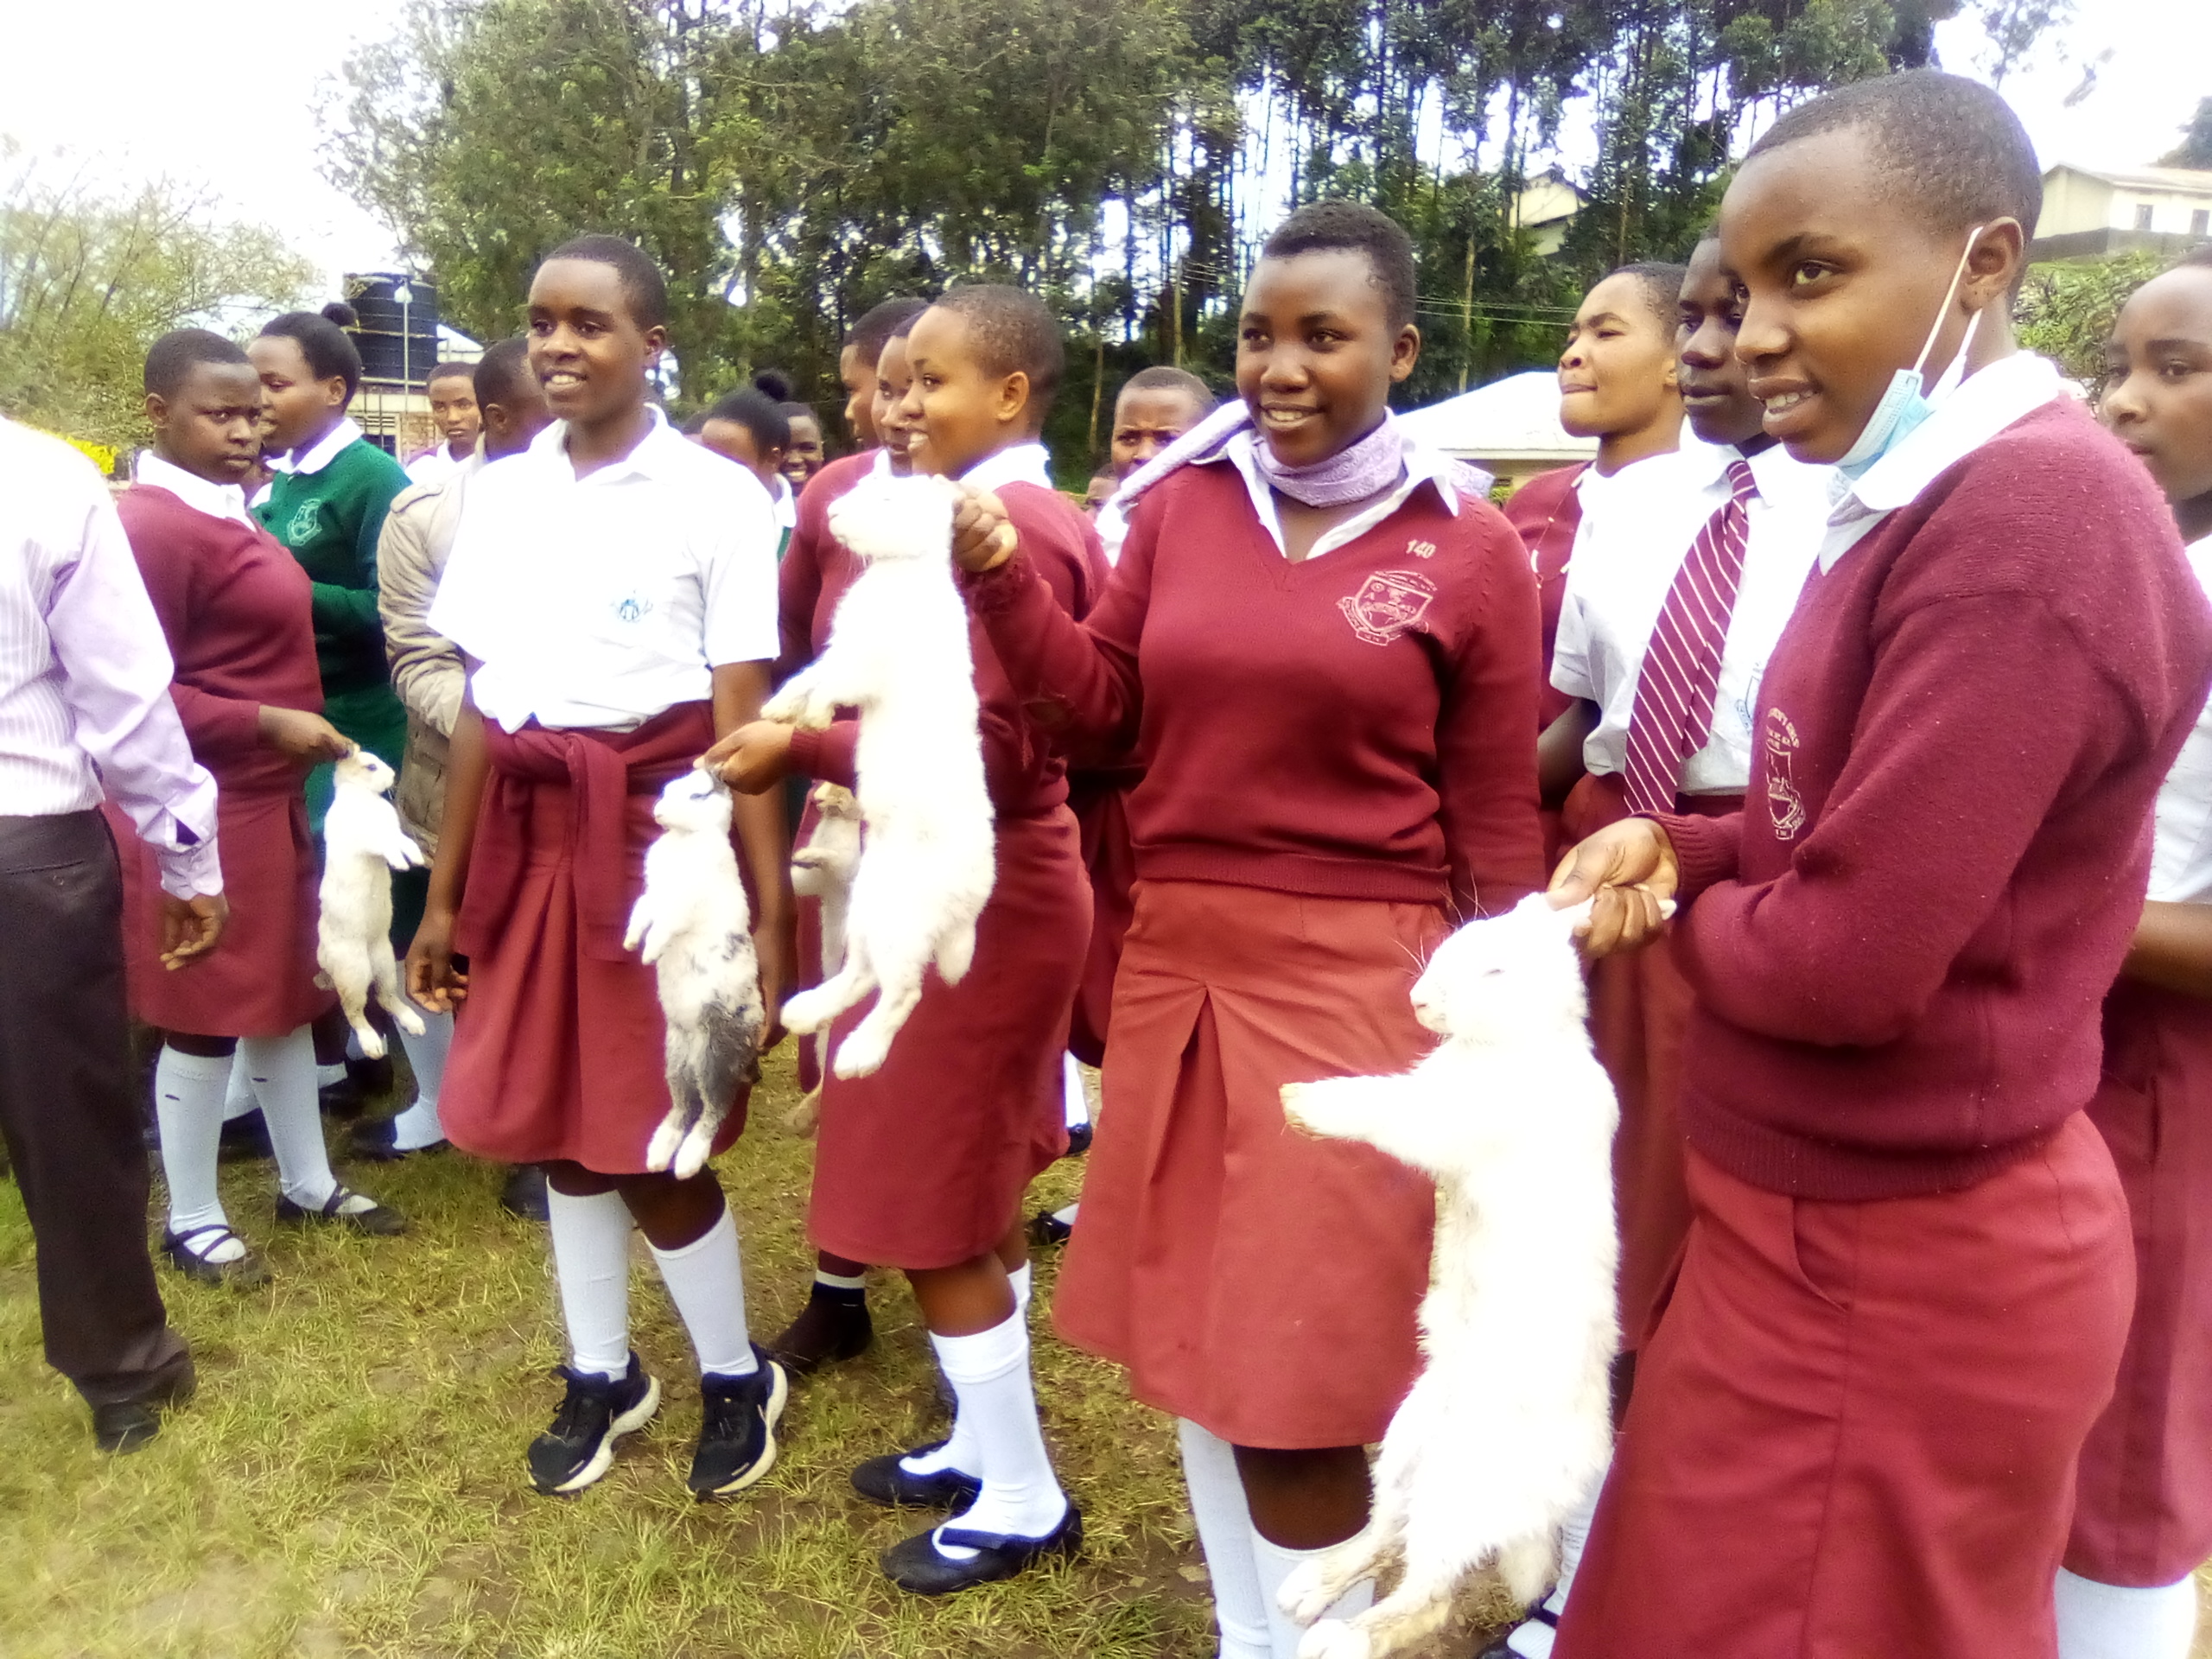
(216, 500)
(785, 503)
(599, 601)
(1968, 416)
(2181, 848)
(1626, 557)
(321, 453)
(1424, 464)
(1020, 463)
(435, 466)
(85, 670)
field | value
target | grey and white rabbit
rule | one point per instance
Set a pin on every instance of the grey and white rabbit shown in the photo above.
(692, 925)
(363, 844)
(823, 870)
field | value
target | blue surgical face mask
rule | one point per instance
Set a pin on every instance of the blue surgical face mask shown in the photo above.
(1903, 408)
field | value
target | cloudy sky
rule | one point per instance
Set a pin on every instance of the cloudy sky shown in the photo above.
(228, 100)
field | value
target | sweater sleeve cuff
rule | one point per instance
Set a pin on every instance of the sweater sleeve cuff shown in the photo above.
(827, 755)
(999, 590)
(1705, 849)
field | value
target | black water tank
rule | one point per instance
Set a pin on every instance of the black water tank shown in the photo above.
(384, 356)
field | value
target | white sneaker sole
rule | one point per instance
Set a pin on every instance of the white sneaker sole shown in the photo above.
(603, 1460)
(776, 1396)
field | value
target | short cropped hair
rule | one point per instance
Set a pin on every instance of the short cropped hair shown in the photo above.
(1321, 226)
(1160, 377)
(1660, 284)
(879, 322)
(450, 372)
(753, 409)
(1014, 333)
(503, 372)
(329, 350)
(1951, 144)
(643, 286)
(171, 360)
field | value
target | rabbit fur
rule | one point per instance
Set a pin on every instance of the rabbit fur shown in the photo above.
(1508, 1426)
(692, 925)
(363, 844)
(898, 653)
(823, 870)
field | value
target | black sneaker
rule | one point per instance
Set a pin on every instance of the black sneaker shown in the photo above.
(579, 1447)
(1047, 1231)
(522, 1194)
(834, 1326)
(737, 1427)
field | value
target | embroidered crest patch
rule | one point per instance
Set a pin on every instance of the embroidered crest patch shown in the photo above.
(1387, 604)
(632, 607)
(304, 523)
(1783, 804)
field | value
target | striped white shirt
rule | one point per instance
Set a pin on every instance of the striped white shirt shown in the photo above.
(84, 669)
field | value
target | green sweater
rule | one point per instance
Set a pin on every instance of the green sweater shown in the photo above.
(331, 521)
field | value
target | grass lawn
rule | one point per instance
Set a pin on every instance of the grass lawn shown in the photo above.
(350, 1479)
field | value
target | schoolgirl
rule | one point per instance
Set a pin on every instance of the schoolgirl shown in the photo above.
(1332, 705)
(237, 611)
(2143, 1507)
(1856, 1424)
(1706, 548)
(612, 590)
(913, 1169)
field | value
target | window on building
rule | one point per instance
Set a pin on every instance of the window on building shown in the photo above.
(2142, 215)
(2199, 222)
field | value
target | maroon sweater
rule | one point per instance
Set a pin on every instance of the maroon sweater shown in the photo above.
(1900, 950)
(1545, 512)
(236, 608)
(1022, 768)
(1354, 726)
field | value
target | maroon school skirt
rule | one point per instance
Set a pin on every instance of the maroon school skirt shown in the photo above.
(923, 1164)
(2144, 1516)
(259, 981)
(1855, 1426)
(1640, 1009)
(1101, 811)
(1262, 1282)
(557, 1053)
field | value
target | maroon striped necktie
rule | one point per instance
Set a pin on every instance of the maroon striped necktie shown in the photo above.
(1681, 675)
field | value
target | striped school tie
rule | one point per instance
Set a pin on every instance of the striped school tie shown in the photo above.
(1681, 675)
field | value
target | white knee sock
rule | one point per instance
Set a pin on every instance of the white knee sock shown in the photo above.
(282, 1071)
(1226, 1536)
(1021, 1278)
(591, 1259)
(961, 1450)
(1533, 1638)
(1073, 1102)
(1066, 1218)
(418, 1126)
(706, 1280)
(334, 1072)
(2111, 1621)
(1276, 1563)
(188, 1101)
(989, 1374)
(240, 1099)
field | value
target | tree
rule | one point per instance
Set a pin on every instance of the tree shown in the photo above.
(2067, 311)
(2195, 149)
(88, 282)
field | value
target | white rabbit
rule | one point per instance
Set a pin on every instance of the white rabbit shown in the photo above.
(823, 870)
(897, 652)
(696, 933)
(1508, 1426)
(363, 844)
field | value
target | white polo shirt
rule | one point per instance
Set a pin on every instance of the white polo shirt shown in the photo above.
(599, 601)
(1632, 542)
(2181, 849)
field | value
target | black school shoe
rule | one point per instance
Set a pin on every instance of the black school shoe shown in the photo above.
(125, 1426)
(579, 1446)
(834, 1326)
(885, 1481)
(187, 1254)
(522, 1194)
(919, 1567)
(377, 1220)
(1078, 1140)
(737, 1428)
(376, 1140)
(1503, 1648)
(1047, 1231)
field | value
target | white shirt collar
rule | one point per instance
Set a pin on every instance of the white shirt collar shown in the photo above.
(880, 467)
(216, 500)
(1023, 463)
(1981, 406)
(1424, 464)
(650, 459)
(324, 452)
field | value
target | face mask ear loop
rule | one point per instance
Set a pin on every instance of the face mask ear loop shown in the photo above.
(1942, 311)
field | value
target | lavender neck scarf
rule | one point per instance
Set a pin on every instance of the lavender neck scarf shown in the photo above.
(1373, 464)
